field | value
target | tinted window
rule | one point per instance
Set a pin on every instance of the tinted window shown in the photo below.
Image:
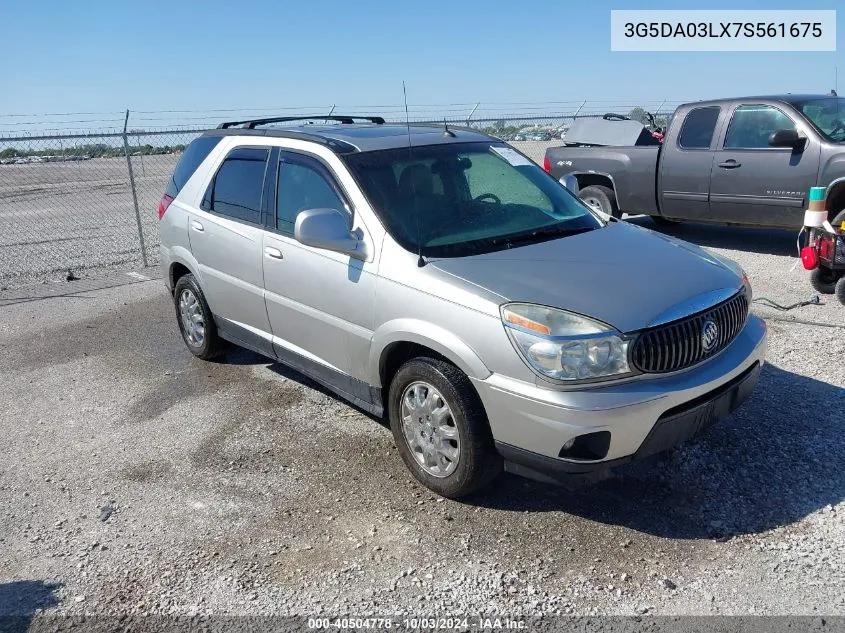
(459, 199)
(752, 125)
(301, 187)
(237, 187)
(193, 155)
(697, 132)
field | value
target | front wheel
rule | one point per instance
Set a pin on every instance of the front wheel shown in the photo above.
(440, 428)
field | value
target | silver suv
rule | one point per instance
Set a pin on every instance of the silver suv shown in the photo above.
(440, 278)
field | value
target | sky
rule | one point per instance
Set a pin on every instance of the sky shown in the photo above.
(156, 58)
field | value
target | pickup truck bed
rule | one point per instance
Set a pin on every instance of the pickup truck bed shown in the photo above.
(631, 170)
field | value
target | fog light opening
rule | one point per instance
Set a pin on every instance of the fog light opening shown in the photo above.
(590, 447)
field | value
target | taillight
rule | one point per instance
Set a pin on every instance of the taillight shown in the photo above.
(163, 204)
(547, 166)
(809, 257)
(826, 248)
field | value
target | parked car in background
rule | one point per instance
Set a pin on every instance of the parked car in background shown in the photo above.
(748, 161)
(398, 267)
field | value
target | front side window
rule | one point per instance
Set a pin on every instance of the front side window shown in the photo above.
(752, 125)
(460, 199)
(698, 128)
(827, 114)
(301, 186)
(237, 188)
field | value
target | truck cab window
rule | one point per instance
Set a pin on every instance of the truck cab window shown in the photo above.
(698, 129)
(752, 125)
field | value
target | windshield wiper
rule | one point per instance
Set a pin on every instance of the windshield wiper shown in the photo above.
(539, 235)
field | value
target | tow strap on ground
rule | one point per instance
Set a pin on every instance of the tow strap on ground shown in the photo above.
(812, 301)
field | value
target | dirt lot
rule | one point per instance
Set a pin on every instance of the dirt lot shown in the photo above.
(137, 479)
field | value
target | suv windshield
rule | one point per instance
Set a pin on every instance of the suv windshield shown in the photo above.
(827, 114)
(461, 199)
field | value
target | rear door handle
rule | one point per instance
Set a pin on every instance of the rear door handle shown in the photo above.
(730, 164)
(275, 253)
(197, 226)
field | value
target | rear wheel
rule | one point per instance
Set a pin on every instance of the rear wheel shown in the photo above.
(823, 280)
(440, 428)
(602, 199)
(195, 319)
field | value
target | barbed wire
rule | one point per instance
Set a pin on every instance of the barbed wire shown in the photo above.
(182, 119)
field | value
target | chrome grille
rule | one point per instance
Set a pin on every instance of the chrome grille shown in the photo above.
(679, 344)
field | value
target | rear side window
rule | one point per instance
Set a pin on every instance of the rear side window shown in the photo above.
(302, 186)
(193, 155)
(237, 189)
(698, 129)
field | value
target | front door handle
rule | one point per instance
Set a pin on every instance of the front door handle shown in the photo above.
(275, 253)
(730, 164)
(197, 226)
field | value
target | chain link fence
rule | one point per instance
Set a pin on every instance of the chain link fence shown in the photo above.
(71, 203)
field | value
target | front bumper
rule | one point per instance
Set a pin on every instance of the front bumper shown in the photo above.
(531, 424)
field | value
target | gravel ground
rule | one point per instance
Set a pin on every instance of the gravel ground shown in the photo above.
(136, 479)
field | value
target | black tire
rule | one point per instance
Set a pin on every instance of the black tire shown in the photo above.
(604, 196)
(838, 219)
(824, 280)
(211, 346)
(840, 290)
(478, 463)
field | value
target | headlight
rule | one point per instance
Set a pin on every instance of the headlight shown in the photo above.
(565, 346)
(749, 291)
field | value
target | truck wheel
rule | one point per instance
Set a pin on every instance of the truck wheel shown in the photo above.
(840, 290)
(440, 428)
(602, 199)
(823, 280)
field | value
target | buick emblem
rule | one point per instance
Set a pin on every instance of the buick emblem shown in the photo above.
(709, 336)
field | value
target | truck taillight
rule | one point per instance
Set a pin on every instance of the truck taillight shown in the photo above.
(163, 204)
(809, 257)
(547, 166)
(826, 247)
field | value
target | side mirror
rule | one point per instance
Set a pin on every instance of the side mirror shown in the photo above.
(570, 182)
(328, 229)
(787, 138)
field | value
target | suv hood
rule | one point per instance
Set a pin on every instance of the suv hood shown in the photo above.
(623, 275)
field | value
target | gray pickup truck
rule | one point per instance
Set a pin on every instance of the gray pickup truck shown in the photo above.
(748, 161)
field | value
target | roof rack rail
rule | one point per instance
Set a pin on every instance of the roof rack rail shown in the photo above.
(342, 118)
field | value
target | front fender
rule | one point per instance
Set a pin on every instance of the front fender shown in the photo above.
(429, 335)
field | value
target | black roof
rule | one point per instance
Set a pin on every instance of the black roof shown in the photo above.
(362, 137)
